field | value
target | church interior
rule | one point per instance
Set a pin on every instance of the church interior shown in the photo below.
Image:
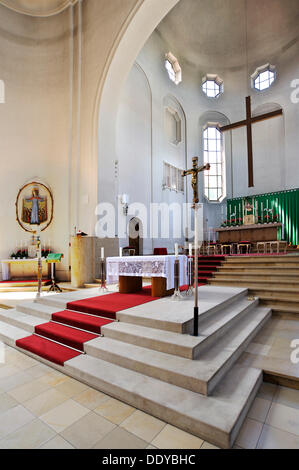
(149, 240)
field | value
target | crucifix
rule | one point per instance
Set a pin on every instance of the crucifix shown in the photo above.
(195, 170)
(248, 123)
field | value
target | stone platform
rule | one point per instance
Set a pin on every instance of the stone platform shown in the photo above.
(148, 359)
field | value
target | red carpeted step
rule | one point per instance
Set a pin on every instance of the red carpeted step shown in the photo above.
(65, 335)
(47, 349)
(81, 320)
(108, 305)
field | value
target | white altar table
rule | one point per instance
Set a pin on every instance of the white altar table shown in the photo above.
(146, 266)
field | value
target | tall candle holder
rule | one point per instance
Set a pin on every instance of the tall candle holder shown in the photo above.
(190, 290)
(103, 286)
(177, 293)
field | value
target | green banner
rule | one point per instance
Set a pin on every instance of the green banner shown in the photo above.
(282, 206)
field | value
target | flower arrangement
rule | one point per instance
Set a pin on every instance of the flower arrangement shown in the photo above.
(267, 219)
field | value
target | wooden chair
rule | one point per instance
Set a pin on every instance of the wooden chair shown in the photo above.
(226, 248)
(262, 245)
(244, 244)
(276, 244)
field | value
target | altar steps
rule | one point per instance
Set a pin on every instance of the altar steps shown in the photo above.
(274, 279)
(199, 375)
(209, 396)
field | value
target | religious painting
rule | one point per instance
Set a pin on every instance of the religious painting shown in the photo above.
(34, 207)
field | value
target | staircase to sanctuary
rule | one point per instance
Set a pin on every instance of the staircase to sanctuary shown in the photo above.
(140, 350)
(273, 279)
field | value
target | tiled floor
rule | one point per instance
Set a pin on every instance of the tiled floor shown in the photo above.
(43, 408)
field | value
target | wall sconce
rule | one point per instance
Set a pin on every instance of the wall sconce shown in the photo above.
(125, 202)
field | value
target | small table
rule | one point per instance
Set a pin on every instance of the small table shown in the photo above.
(129, 271)
(22, 268)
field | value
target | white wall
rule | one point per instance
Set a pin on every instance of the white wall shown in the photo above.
(34, 121)
(275, 141)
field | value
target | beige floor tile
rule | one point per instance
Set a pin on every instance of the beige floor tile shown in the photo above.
(45, 402)
(284, 418)
(71, 387)
(57, 443)
(114, 410)
(91, 398)
(173, 438)
(259, 409)
(273, 438)
(119, 438)
(24, 362)
(143, 425)
(64, 415)
(151, 447)
(54, 378)
(13, 419)
(207, 445)
(287, 396)
(30, 436)
(260, 349)
(15, 380)
(87, 431)
(8, 370)
(27, 391)
(249, 434)
(267, 391)
(38, 371)
(6, 402)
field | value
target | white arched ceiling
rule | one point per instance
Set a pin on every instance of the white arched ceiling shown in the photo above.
(38, 7)
(139, 26)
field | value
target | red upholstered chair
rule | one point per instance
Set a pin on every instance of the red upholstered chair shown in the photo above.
(160, 251)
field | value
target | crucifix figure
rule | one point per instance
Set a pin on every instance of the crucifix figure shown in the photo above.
(195, 170)
(248, 123)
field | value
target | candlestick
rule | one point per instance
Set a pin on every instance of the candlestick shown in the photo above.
(176, 249)
(190, 249)
(120, 252)
(102, 252)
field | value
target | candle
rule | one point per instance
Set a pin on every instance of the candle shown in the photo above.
(120, 252)
(176, 249)
(102, 252)
(190, 249)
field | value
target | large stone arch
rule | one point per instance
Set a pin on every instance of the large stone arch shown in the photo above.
(139, 26)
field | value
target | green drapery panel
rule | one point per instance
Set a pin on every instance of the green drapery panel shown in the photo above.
(282, 206)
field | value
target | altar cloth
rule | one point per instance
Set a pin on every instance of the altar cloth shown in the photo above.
(146, 266)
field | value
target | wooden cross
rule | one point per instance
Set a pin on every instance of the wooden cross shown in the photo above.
(248, 123)
(194, 172)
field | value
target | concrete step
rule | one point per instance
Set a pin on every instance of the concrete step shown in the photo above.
(277, 299)
(259, 269)
(20, 320)
(61, 300)
(199, 375)
(281, 307)
(38, 310)
(177, 316)
(216, 419)
(265, 265)
(262, 259)
(254, 283)
(284, 293)
(183, 345)
(265, 276)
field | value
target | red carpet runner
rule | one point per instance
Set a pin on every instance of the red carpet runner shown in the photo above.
(66, 326)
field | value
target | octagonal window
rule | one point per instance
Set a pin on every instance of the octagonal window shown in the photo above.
(212, 86)
(263, 77)
(173, 68)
